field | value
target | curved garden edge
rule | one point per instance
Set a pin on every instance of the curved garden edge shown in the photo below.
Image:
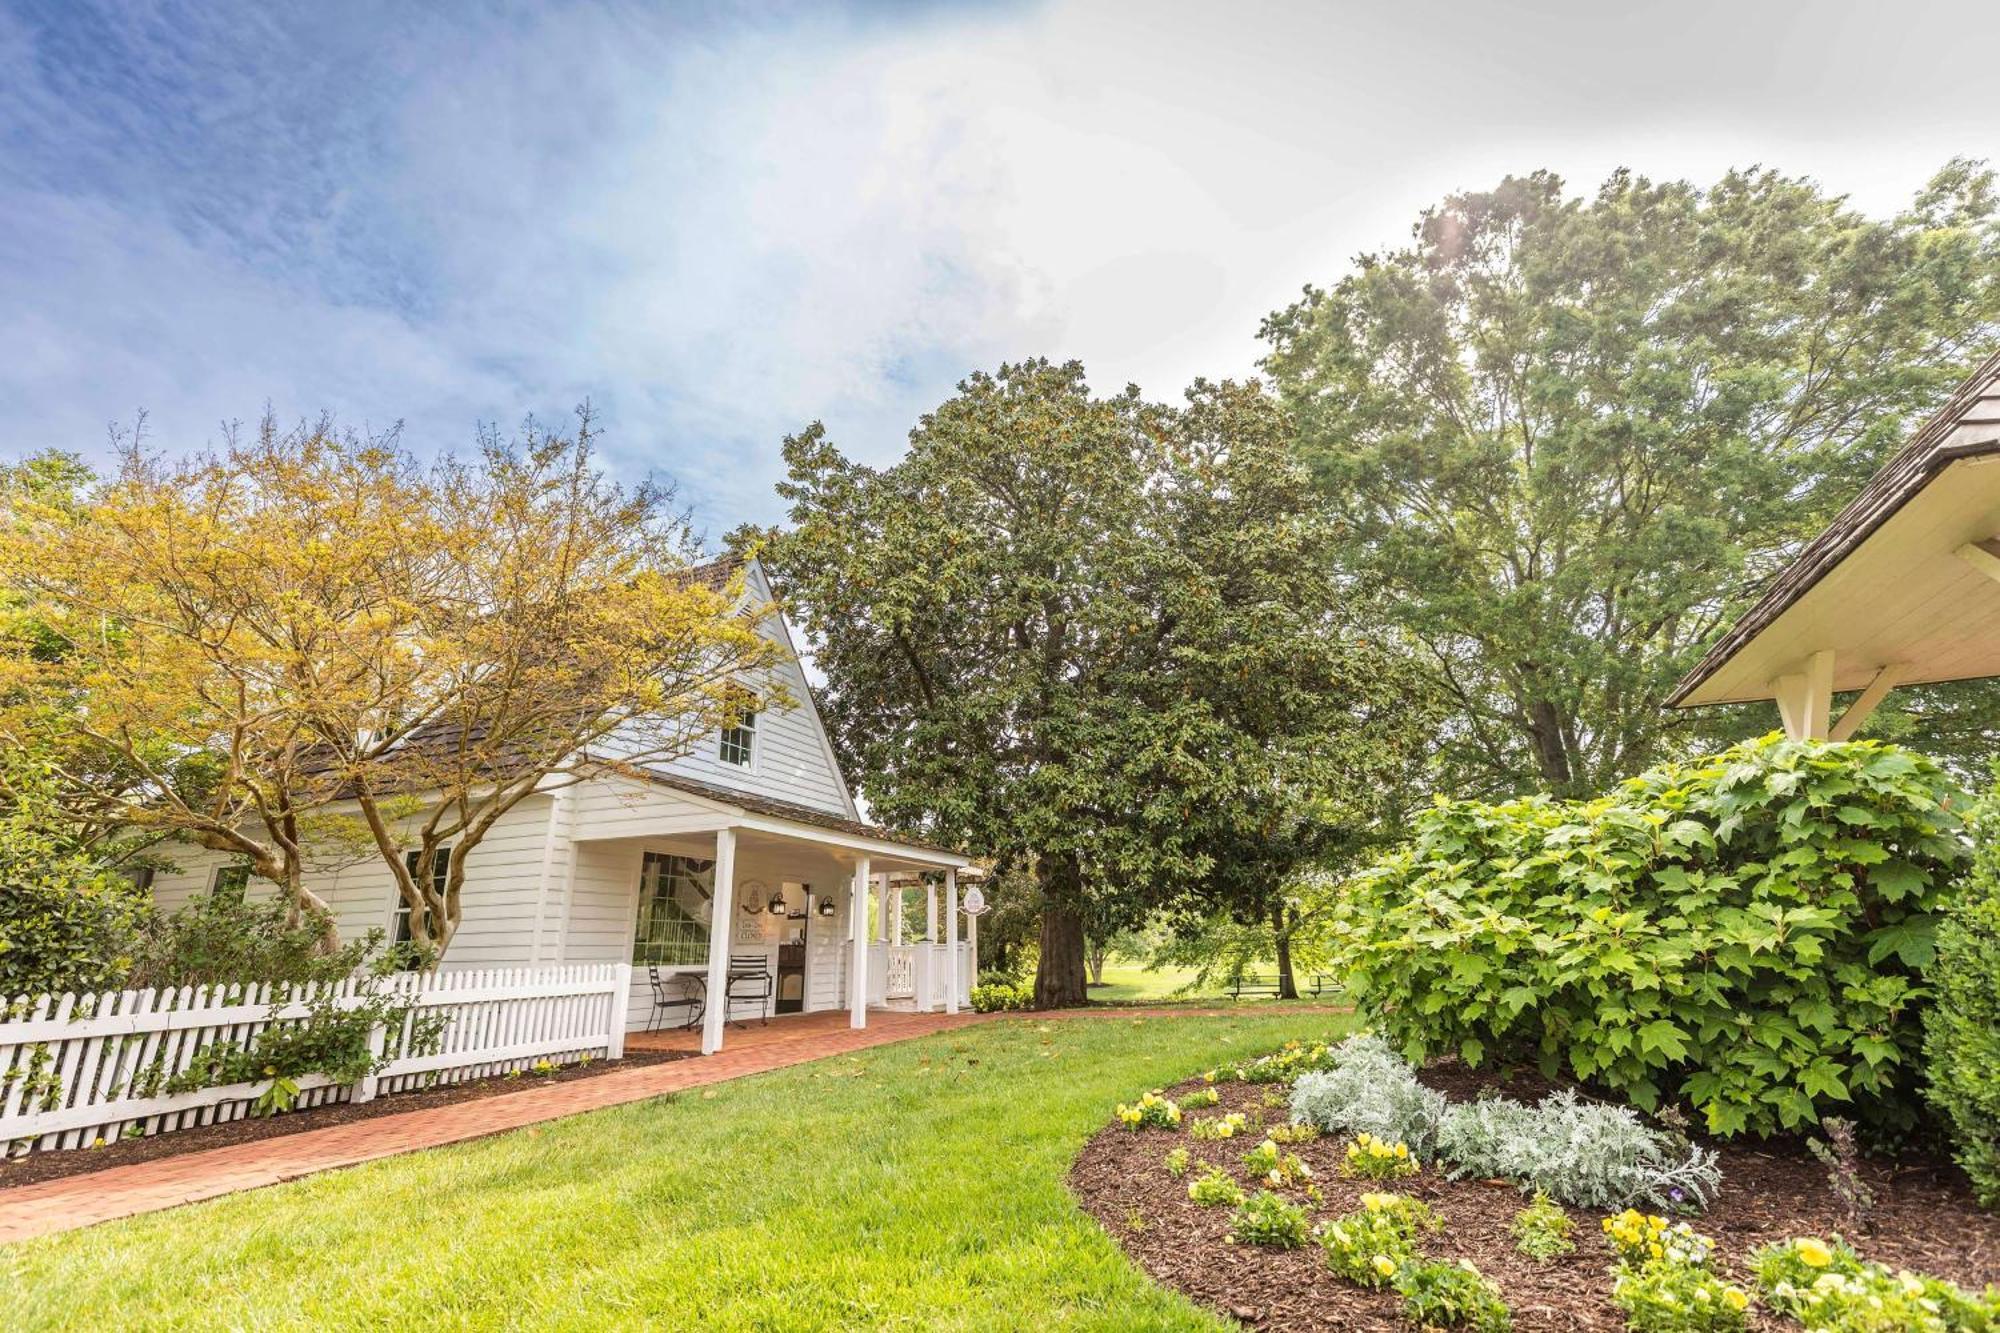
(1925, 1220)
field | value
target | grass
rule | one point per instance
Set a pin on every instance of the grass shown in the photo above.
(913, 1186)
(1126, 983)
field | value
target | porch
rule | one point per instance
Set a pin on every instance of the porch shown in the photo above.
(758, 914)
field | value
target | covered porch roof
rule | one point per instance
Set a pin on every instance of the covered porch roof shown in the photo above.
(695, 809)
(1903, 587)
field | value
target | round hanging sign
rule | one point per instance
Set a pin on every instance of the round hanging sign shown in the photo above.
(975, 901)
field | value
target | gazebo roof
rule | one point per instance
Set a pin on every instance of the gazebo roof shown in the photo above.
(1902, 587)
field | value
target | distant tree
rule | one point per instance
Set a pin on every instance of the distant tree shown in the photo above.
(1564, 439)
(312, 647)
(1094, 638)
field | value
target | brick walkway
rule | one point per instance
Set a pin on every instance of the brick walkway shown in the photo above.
(143, 1187)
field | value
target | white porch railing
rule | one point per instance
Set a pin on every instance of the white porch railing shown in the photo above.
(900, 976)
(75, 1069)
(917, 973)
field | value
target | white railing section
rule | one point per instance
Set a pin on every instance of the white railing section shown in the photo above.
(81, 1069)
(902, 972)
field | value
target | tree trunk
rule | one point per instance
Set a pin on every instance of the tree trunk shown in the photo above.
(1095, 956)
(1059, 976)
(1288, 989)
(1545, 730)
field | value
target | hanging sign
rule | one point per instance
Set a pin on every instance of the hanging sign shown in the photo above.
(975, 901)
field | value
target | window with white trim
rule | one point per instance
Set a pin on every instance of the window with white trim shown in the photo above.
(230, 881)
(738, 746)
(399, 930)
(676, 894)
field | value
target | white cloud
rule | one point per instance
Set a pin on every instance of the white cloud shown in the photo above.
(720, 231)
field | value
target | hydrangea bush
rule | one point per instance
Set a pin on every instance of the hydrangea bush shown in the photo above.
(1746, 932)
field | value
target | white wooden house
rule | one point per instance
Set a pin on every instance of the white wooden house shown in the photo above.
(755, 830)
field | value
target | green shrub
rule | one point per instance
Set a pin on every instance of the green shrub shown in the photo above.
(1744, 931)
(1439, 1295)
(1369, 1246)
(995, 996)
(1542, 1230)
(1962, 1028)
(1200, 1097)
(221, 938)
(1265, 1219)
(1215, 1187)
(66, 922)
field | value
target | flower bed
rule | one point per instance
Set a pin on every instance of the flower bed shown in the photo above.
(1924, 1220)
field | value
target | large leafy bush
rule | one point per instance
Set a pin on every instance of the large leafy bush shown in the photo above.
(67, 922)
(1744, 931)
(1962, 1030)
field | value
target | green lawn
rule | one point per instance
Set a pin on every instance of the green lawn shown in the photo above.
(914, 1186)
(1125, 983)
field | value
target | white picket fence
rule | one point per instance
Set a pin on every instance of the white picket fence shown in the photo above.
(80, 1069)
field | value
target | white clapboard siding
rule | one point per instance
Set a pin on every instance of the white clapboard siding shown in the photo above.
(78, 1069)
(793, 761)
(502, 901)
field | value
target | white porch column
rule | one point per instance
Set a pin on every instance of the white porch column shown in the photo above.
(721, 915)
(1805, 697)
(857, 972)
(930, 909)
(882, 908)
(895, 892)
(950, 939)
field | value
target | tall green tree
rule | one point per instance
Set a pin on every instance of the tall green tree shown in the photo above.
(1094, 638)
(1565, 438)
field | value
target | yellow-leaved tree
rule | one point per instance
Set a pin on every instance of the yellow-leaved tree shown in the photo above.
(311, 647)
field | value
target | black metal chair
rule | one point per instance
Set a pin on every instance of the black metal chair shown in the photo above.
(692, 995)
(750, 982)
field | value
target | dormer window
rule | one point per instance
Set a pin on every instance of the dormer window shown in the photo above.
(738, 744)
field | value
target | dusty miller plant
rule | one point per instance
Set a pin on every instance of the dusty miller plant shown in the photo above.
(1584, 1153)
(1371, 1090)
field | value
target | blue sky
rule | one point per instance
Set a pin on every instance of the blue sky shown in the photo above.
(721, 223)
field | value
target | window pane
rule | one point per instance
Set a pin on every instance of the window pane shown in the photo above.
(230, 881)
(739, 741)
(674, 896)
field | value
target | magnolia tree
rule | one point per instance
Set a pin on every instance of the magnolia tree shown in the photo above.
(1094, 638)
(311, 647)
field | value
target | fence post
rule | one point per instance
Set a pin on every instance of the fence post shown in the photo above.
(621, 990)
(364, 1091)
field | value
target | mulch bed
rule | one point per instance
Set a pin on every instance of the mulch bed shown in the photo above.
(77, 1161)
(1924, 1219)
